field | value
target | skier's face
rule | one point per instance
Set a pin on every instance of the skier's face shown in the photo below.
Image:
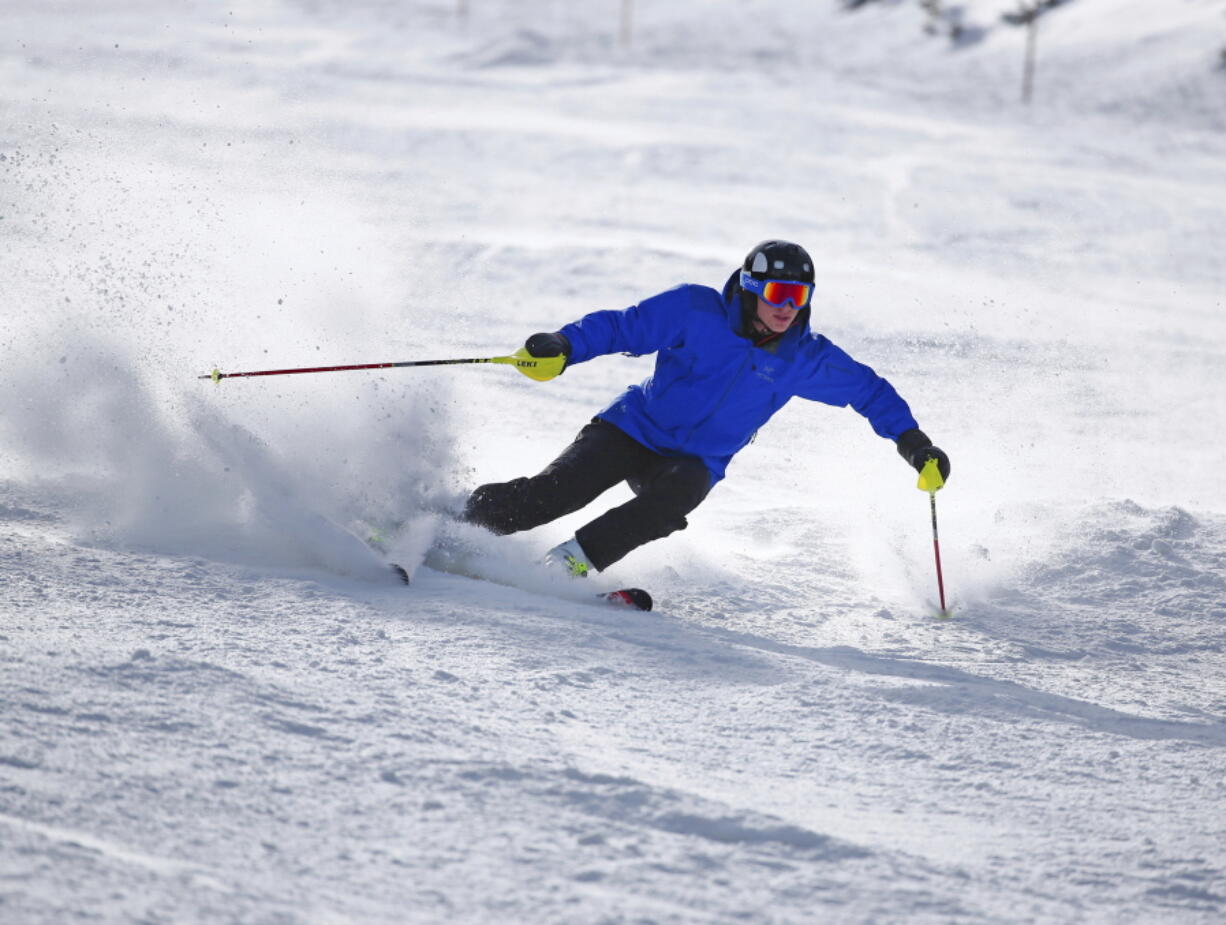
(776, 318)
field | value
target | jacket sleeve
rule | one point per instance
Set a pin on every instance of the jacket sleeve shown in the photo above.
(651, 325)
(837, 379)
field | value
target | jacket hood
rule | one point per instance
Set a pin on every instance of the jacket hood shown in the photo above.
(737, 317)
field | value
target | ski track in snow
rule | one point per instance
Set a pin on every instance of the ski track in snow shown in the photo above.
(218, 706)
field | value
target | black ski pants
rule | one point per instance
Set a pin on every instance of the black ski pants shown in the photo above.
(666, 488)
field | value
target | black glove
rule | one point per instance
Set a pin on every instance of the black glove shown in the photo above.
(915, 447)
(548, 345)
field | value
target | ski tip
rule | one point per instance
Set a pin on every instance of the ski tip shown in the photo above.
(401, 574)
(630, 597)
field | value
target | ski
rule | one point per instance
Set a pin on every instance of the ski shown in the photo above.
(629, 597)
(636, 598)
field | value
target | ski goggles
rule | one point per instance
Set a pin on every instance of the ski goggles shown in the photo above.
(778, 292)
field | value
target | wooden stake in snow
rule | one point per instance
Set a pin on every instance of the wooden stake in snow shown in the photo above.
(1027, 15)
(1032, 40)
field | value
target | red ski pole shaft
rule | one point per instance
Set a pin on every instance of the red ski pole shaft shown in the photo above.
(217, 375)
(936, 547)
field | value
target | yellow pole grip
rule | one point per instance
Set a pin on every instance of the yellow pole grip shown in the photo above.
(930, 477)
(542, 369)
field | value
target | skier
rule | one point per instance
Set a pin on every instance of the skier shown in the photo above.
(725, 362)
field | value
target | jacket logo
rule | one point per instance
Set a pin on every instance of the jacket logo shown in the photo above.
(767, 372)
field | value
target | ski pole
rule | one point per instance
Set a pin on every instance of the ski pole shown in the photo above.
(538, 368)
(930, 481)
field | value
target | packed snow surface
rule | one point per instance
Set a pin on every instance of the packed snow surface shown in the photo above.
(216, 705)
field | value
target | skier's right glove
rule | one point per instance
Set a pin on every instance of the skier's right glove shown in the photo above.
(548, 345)
(915, 447)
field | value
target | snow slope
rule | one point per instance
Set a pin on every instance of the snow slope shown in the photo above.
(216, 706)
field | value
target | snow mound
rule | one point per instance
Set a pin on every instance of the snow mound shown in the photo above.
(1123, 578)
(521, 48)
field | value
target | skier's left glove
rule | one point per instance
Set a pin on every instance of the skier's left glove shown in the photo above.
(552, 344)
(915, 447)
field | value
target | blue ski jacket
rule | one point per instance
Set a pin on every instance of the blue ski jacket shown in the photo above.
(712, 388)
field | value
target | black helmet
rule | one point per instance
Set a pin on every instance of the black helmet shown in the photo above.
(779, 260)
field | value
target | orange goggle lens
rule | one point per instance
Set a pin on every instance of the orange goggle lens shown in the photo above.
(776, 292)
